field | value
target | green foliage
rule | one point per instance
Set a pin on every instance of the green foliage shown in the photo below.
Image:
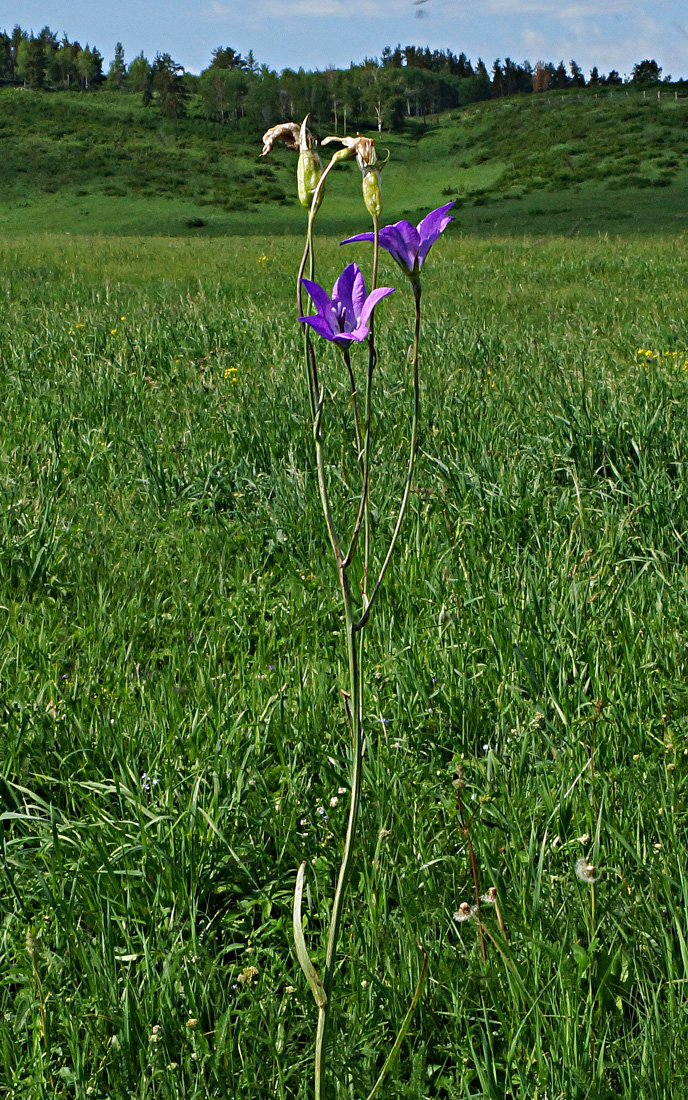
(173, 739)
(607, 164)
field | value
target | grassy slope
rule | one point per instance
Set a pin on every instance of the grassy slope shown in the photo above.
(166, 610)
(561, 163)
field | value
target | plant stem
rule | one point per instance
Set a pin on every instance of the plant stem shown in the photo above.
(411, 462)
(372, 360)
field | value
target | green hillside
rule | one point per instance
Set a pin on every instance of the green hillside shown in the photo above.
(554, 163)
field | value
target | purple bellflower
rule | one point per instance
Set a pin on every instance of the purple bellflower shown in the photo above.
(344, 317)
(409, 244)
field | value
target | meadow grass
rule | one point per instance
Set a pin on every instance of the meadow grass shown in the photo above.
(173, 739)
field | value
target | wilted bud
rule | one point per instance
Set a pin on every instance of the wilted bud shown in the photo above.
(288, 132)
(364, 150)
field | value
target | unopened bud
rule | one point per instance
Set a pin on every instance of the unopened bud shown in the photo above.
(308, 175)
(372, 191)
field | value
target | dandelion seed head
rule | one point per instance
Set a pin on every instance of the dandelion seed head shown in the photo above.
(464, 912)
(585, 871)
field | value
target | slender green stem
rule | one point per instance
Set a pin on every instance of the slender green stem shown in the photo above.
(311, 366)
(322, 479)
(357, 420)
(372, 359)
(356, 706)
(411, 462)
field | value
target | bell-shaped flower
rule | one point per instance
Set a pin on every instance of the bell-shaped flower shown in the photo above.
(344, 317)
(409, 244)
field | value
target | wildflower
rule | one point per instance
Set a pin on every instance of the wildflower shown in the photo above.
(585, 871)
(262, 259)
(409, 244)
(113, 331)
(343, 318)
(465, 912)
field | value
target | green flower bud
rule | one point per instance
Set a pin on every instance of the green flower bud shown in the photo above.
(372, 191)
(308, 174)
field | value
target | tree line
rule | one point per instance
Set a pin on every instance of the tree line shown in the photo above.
(378, 92)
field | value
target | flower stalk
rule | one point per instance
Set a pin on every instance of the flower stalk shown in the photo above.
(345, 318)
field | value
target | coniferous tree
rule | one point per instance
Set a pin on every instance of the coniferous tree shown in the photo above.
(167, 84)
(6, 59)
(117, 73)
(560, 78)
(224, 57)
(577, 78)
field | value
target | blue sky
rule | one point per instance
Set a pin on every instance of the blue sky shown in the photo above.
(612, 34)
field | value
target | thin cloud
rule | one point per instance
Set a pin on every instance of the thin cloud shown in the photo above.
(367, 9)
(562, 10)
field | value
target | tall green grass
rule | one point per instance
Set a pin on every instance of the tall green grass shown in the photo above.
(173, 741)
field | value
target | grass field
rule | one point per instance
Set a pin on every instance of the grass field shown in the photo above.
(173, 742)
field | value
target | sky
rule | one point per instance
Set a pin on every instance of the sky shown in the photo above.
(611, 34)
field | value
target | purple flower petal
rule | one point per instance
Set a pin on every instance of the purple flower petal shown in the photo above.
(359, 237)
(344, 339)
(342, 292)
(431, 227)
(320, 300)
(320, 325)
(401, 241)
(372, 300)
(358, 294)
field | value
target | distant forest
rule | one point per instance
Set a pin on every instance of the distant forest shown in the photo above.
(238, 91)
